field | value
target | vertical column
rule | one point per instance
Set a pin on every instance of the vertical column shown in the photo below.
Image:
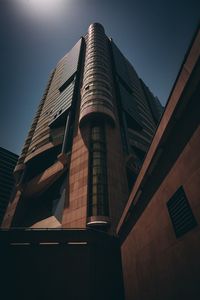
(96, 111)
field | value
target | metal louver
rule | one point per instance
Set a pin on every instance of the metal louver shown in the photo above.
(180, 213)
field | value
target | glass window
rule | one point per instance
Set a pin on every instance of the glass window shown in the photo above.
(98, 195)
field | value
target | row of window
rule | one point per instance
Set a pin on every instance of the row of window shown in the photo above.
(97, 54)
(96, 68)
(99, 83)
(99, 92)
(98, 194)
(96, 35)
(95, 57)
(96, 62)
(94, 52)
(92, 47)
(96, 75)
(97, 102)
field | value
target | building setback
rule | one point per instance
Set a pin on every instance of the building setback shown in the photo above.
(87, 141)
(8, 162)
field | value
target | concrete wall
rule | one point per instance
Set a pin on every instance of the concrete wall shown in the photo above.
(156, 264)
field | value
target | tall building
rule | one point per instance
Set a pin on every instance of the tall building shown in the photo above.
(155, 251)
(8, 162)
(88, 139)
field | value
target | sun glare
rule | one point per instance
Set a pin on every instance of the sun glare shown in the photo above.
(43, 9)
(45, 6)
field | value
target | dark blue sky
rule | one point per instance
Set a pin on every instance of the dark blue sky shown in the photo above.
(154, 35)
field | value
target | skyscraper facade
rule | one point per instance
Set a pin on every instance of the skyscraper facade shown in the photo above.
(8, 162)
(88, 139)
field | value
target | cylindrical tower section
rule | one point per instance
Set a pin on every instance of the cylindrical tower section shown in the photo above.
(97, 112)
(97, 96)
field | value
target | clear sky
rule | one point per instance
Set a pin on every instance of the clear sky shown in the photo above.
(154, 36)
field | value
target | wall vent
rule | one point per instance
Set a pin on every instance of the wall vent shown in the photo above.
(180, 213)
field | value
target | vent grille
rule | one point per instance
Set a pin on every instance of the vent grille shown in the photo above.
(180, 213)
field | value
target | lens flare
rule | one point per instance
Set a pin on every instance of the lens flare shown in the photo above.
(42, 9)
(45, 7)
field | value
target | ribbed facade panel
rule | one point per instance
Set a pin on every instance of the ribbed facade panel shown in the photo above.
(42, 132)
(154, 103)
(140, 97)
(63, 102)
(129, 104)
(70, 62)
(97, 81)
(57, 101)
(134, 102)
(120, 64)
(34, 124)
